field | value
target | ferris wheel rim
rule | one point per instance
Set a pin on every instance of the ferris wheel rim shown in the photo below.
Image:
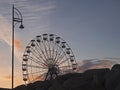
(26, 72)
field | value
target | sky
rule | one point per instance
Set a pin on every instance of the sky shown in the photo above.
(90, 27)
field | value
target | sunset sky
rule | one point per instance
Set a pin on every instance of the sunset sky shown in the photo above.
(90, 27)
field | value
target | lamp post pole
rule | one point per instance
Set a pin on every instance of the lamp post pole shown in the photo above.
(17, 19)
(13, 47)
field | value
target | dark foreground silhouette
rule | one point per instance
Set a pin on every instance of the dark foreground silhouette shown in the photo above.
(94, 79)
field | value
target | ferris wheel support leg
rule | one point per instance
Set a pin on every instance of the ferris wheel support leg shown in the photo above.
(46, 76)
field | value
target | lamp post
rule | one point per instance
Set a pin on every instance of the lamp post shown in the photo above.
(15, 19)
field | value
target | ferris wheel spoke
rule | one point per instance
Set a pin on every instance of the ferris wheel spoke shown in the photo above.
(39, 48)
(52, 51)
(33, 51)
(58, 52)
(39, 58)
(34, 55)
(60, 57)
(34, 66)
(37, 61)
(45, 48)
(49, 46)
(60, 63)
(38, 77)
(55, 48)
(40, 55)
(37, 52)
(35, 72)
(56, 56)
(63, 53)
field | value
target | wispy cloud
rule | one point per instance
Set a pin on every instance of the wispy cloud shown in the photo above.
(5, 32)
(5, 83)
(35, 15)
(18, 44)
(36, 20)
(110, 58)
(95, 64)
(5, 53)
(5, 35)
(8, 78)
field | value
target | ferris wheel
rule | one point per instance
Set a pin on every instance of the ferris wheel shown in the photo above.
(46, 57)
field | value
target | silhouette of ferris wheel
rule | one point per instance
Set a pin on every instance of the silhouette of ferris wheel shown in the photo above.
(46, 57)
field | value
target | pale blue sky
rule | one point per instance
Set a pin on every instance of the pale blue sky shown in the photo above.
(91, 27)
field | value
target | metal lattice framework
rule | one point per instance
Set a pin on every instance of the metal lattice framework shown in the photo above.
(46, 57)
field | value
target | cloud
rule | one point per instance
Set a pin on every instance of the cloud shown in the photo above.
(95, 64)
(5, 54)
(110, 58)
(36, 20)
(5, 36)
(18, 44)
(5, 71)
(5, 32)
(36, 15)
(8, 78)
(5, 83)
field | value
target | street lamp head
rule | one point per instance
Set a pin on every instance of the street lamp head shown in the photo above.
(21, 26)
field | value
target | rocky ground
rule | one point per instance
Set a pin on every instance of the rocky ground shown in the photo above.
(94, 79)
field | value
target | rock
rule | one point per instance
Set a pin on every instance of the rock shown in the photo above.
(74, 82)
(81, 83)
(94, 79)
(57, 86)
(116, 67)
(112, 78)
(98, 75)
(118, 87)
(84, 85)
(21, 87)
(63, 78)
(92, 72)
(39, 85)
(58, 82)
